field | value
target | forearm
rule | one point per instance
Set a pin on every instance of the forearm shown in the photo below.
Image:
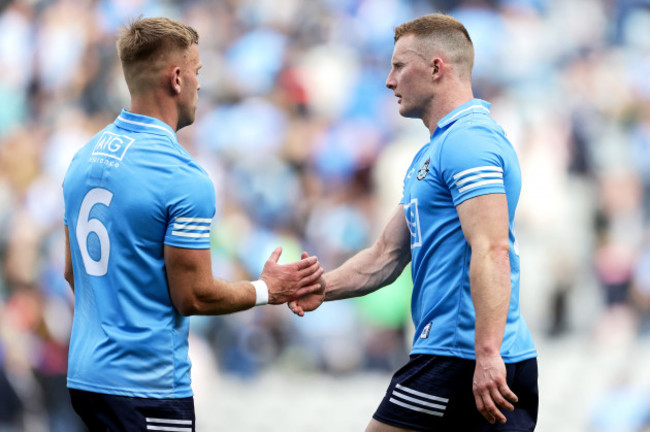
(365, 272)
(220, 297)
(195, 291)
(490, 286)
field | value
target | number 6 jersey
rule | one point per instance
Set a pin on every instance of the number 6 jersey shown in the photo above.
(128, 192)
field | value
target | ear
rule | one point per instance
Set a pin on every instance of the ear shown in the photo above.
(176, 80)
(437, 67)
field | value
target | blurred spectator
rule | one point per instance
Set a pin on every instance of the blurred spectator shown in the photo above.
(640, 290)
(626, 407)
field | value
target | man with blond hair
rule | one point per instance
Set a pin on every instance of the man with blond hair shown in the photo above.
(138, 211)
(473, 363)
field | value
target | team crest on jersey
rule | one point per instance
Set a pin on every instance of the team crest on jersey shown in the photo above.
(425, 331)
(422, 173)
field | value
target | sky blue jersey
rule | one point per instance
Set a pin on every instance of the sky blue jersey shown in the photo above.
(468, 155)
(128, 192)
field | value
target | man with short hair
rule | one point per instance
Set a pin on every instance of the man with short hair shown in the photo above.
(473, 363)
(138, 211)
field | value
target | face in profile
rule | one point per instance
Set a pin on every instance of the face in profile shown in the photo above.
(409, 78)
(190, 86)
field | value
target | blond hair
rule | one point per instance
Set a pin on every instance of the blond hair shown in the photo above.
(144, 37)
(442, 33)
(144, 41)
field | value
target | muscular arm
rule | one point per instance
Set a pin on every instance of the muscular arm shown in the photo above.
(374, 267)
(68, 274)
(195, 291)
(484, 220)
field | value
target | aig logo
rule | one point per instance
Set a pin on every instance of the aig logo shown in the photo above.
(112, 145)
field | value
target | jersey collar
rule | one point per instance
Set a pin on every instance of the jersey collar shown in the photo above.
(142, 123)
(472, 107)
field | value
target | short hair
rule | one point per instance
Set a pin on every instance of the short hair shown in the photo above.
(444, 33)
(144, 37)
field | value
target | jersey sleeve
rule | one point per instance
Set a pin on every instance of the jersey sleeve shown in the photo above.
(191, 207)
(473, 163)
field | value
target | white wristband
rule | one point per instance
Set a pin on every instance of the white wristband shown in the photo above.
(261, 292)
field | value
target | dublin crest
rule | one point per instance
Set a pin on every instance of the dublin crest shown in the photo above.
(422, 173)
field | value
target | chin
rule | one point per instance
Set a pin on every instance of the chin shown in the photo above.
(185, 121)
(410, 112)
(407, 113)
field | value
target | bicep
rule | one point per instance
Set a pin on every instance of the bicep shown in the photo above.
(484, 220)
(188, 270)
(395, 239)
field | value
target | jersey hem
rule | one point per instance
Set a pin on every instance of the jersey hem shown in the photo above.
(526, 355)
(176, 394)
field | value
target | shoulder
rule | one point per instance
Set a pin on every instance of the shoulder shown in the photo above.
(165, 152)
(475, 129)
(475, 135)
(92, 146)
(189, 179)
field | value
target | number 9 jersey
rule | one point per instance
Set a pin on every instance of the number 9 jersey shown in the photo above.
(468, 155)
(128, 192)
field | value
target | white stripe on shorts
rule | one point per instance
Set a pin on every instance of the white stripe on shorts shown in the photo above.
(168, 425)
(415, 408)
(424, 395)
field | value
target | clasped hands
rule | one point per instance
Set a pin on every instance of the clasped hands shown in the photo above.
(311, 301)
(299, 284)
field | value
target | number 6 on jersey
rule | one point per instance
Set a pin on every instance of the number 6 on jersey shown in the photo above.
(86, 225)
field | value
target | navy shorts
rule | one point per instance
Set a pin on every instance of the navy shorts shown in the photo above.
(102, 413)
(434, 393)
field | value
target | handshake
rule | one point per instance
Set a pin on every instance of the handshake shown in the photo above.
(299, 284)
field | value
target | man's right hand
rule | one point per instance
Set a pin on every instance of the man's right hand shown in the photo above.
(491, 391)
(308, 302)
(288, 282)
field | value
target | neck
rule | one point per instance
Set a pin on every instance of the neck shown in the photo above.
(445, 103)
(153, 105)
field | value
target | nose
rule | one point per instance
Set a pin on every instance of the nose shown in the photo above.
(391, 83)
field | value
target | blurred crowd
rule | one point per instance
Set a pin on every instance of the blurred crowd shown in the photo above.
(306, 150)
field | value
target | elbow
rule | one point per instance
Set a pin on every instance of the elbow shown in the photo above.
(497, 252)
(188, 306)
(491, 247)
(502, 249)
(189, 309)
(193, 299)
(197, 302)
(186, 312)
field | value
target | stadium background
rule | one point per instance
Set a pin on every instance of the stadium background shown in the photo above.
(306, 149)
